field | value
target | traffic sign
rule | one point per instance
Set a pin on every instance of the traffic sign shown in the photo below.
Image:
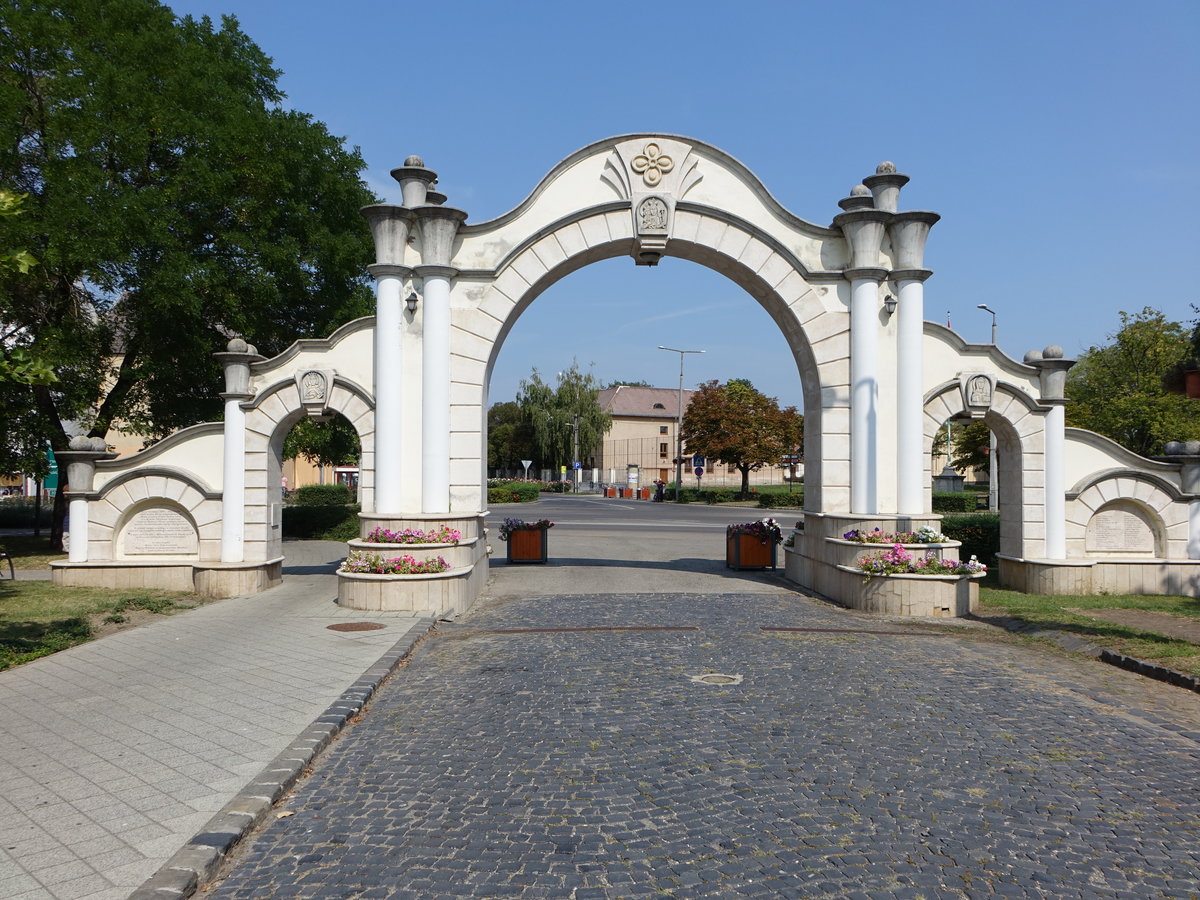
(698, 460)
(699, 471)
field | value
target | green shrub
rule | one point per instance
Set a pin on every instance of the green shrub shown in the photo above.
(557, 487)
(719, 495)
(18, 512)
(954, 501)
(514, 492)
(979, 533)
(779, 501)
(319, 522)
(323, 495)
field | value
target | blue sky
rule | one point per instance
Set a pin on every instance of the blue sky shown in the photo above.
(1058, 139)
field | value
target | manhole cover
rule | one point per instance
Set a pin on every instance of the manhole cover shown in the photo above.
(355, 626)
(717, 678)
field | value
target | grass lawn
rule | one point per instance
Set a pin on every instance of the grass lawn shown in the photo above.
(29, 552)
(38, 618)
(1058, 612)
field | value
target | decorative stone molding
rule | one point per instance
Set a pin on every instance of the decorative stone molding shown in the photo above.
(885, 185)
(390, 227)
(80, 461)
(1052, 372)
(908, 232)
(659, 165)
(863, 227)
(651, 223)
(414, 180)
(237, 359)
(652, 164)
(438, 226)
(314, 387)
(978, 390)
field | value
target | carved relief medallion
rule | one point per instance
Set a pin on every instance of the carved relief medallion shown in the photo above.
(313, 386)
(977, 392)
(652, 215)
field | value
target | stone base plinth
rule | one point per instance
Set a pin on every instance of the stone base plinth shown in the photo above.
(208, 579)
(451, 591)
(1101, 575)
(911, 595)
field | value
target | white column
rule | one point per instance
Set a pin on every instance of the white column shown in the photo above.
(435, 395)
(910, 398)
(77, 550)
(233, 482)
(1193, 546)
(389, 287)
(1056, 487)
(864, 391)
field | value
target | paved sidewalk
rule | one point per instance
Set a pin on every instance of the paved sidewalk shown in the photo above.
(113, 754)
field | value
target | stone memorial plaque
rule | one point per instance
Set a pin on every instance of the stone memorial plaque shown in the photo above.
(1119, 531)
(160, 532)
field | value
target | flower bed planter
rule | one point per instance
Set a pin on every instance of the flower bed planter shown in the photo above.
(912, 595)
(528, 545)
(745, 551)
(610, 492)
(644, 493)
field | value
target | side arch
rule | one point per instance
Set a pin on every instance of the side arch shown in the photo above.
(1158, 503)
(1020, 428)
(811, 316)
(269, 418)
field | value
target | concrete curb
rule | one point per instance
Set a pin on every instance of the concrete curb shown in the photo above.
(1079, 645)
(198, 861)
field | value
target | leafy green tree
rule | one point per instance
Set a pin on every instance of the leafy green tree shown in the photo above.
(554, 414)
(17, 364)
(171, 203)
(613, 384)
(1117, 390)
(741, 426)
(332, 442)
(971, 444)
(510, 437)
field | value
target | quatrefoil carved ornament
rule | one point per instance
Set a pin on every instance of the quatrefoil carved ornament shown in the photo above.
(652, 164)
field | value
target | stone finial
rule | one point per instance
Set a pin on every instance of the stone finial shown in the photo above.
(80, 442)
(908, 230)
(1052, 372)
(414, 180)
(237, 366)
(1173, 448)
(99, 445)
(435, 198)
(237, 345)
(390, 227)
(1191, 448)
(885, 186)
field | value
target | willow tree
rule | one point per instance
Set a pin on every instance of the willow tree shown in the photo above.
(564, 418)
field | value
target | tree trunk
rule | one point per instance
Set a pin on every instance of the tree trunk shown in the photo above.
(745, 492)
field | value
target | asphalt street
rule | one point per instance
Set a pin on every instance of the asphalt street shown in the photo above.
(738, 741)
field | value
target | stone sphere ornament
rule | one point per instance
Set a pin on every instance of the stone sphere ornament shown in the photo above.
(1053, 352)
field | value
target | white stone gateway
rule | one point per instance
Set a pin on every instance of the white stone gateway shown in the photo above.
(1078, 512)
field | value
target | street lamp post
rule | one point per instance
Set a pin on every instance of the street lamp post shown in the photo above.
(679, 421)
(993, 498)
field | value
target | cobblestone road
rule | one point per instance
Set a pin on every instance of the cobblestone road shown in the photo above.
(845, 764)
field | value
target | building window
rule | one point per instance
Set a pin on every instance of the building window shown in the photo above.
(659, 406)
(662, 451)
(662, 429)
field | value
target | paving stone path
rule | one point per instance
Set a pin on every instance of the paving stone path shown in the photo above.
(856, 759)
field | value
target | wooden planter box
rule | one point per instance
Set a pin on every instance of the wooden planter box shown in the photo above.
(610, 492)
(745, 551)
(644, 493)
(626, 493)
(528, 545)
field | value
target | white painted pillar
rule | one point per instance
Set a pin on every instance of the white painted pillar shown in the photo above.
(233, 481)
(1193, 546)
(79, 462)
(236, 359)
(1056, 487)
(77, 549)
(435, 395)
(910, 398)
(389, 289)
(864, 391)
